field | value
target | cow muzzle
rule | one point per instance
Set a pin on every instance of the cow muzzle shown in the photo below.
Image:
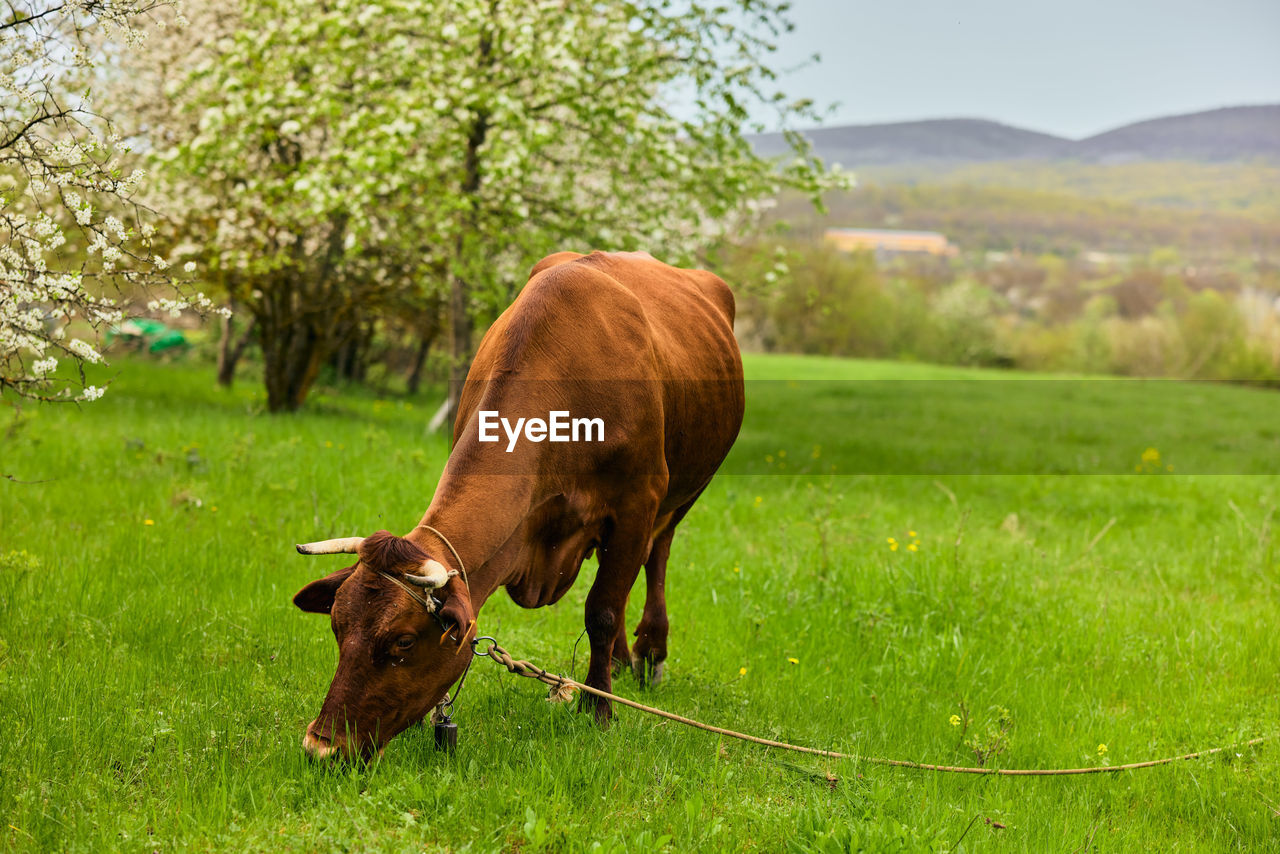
(322, 747)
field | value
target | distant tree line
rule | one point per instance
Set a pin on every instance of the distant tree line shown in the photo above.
(1152, 316)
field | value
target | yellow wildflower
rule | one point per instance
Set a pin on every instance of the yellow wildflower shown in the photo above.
(891, 541)
(149, 522)
(1102, 749)
(742, 671)
(1151, 455)
(328, 444)
(955, 720)
(759, 500)
(737, 569)
(912, 534)
(794, 660)
(913, 548)
(893, 547)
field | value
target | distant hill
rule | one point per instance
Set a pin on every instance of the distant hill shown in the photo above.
(935, 140)
(1231, 133)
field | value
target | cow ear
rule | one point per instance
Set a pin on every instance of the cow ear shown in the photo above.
(317, 597)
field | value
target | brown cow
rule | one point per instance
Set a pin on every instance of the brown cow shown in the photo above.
(646, 348)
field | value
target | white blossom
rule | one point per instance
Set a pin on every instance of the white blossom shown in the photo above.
(84, 351)
(73, 163)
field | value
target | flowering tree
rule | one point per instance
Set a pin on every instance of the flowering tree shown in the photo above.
(73, 231)
(603, 125)
(336, 156)
(285, 134)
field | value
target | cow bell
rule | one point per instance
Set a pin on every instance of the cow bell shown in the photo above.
(446, 735)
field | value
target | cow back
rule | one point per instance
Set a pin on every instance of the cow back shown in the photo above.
(647, 346)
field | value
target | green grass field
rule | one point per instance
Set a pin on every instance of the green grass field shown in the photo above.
(155, 678)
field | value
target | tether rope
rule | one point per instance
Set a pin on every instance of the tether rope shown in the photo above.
(530, 670)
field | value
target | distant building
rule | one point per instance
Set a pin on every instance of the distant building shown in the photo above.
(888, 241)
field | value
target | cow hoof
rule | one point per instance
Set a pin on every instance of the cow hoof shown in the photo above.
(646, 671)
(599, 707)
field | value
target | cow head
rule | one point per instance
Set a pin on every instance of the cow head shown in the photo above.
(402, 622)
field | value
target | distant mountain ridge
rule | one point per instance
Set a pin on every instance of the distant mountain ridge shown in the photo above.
(1226, 134)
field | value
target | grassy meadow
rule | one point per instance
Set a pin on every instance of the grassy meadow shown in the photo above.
(942, 565)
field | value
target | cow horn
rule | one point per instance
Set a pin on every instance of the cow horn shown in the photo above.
(342, 545)
(433, 575)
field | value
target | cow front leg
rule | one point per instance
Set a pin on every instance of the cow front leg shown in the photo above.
(606, 613)
(621, 656)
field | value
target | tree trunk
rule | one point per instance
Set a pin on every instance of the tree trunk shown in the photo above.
(460, 319)
(291, 362)
(460, 327)
(351, 358)
(343, 360)
(361, 345)
(414, 380)
(292, 351)
(299, 323)
(230, 349)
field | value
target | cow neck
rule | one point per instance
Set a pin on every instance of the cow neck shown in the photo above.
(478, 513)
(481, 502)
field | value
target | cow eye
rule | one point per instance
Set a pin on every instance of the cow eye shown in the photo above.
(404, 642)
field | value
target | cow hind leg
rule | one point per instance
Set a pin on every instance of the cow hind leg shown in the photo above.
(650, 649)
(649, 653)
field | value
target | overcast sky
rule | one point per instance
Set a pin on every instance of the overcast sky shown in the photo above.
(1070, 67)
